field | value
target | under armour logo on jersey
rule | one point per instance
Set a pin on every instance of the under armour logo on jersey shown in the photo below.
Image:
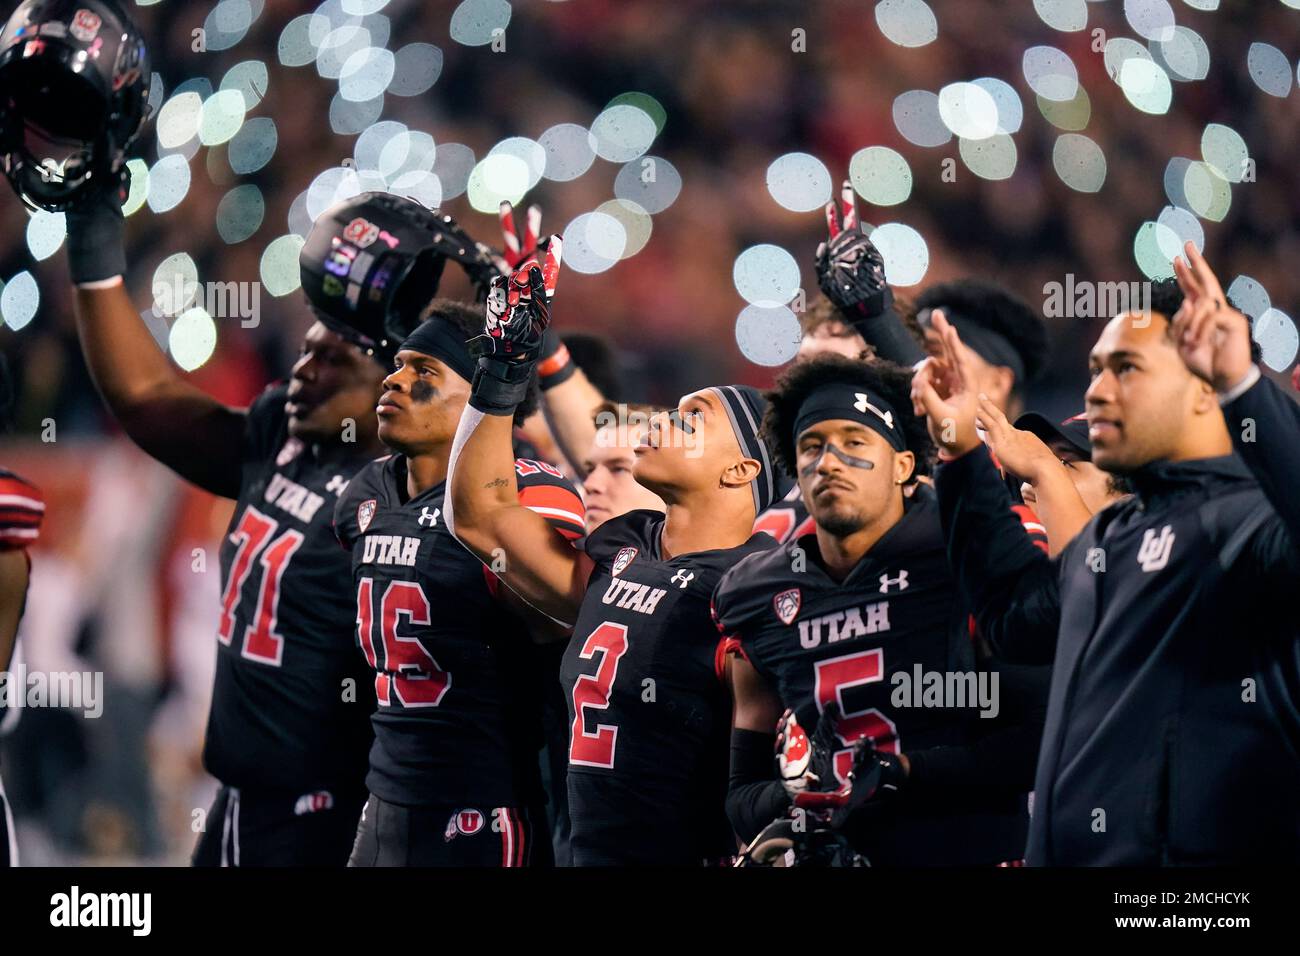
(1153, 554)
(862, 405)
(427, 520)
(337, 484)
(682, 578)
(886, 582)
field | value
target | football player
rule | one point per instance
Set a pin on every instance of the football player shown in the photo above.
(22, 508)
(644, 672)
(289, 729)
(454, 776)
(845, 624)
(1006, 345)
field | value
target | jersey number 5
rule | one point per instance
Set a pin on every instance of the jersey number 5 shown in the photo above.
(834, 677)
(596, 749)
(254, 536)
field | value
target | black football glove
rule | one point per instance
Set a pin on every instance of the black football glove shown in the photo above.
(875, 776)
(850, 269)
(518, 313)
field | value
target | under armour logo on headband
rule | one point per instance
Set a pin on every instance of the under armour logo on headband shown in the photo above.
(862, 405)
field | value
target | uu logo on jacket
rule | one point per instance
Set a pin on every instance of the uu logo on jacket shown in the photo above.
(1153, 553)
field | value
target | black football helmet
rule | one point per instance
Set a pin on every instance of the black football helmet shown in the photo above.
(74, 92)
(373, 262)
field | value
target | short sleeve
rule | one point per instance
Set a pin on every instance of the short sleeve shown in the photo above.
(544, 489)
(22, 509)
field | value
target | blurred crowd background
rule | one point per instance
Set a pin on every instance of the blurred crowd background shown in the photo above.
(125, 577)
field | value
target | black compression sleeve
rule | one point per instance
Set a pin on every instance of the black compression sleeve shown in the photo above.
(887, 334)
(754, 797)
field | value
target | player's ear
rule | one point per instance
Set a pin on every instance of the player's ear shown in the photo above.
(904, 465)
(1204, 399)
(740, 473)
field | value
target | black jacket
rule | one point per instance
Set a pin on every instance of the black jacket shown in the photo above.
(1173, 731)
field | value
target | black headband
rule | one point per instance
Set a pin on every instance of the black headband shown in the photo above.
(993, 347)
(745, 406)
(839, 400)
(442, 340)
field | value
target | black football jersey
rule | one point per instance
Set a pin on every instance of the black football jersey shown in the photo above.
(787, 519)
(291, 705)
(649, 712)
(457, 677)
(897, 612)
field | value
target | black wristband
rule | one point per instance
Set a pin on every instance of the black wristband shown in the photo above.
(499, 387)
(96, 250)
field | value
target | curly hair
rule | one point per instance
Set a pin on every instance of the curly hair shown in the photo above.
(890, 381)
(467, 320)
(997, 309)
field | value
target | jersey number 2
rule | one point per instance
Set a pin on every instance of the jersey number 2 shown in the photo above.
(254, 535)
(591, 692)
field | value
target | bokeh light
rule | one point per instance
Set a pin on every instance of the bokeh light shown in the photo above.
(192, 338)
(240, 212)
(1278, 340)
(169, 181)
(909, 23)
(279, 266)
(918, 120)
(593, 242)
(991, 158)
(1079, 162)
(622, 132)
(45, 233)
(20, 300)
(906, 255)
(474, 22)
(799, 182)
(766, 275)
(881, 176)
(1050, 73)
(651, 182)
(768, 335)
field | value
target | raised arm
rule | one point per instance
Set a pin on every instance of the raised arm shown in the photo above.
(485, 514)
(1214, 341)
(1009, 584)
(569, 400)
(175, 422)
(851, 274)
(1060, 507)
